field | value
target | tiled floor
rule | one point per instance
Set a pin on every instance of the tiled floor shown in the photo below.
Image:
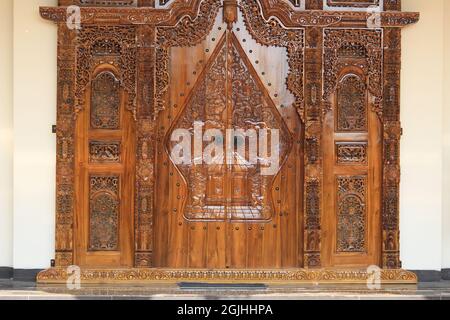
(30, 291)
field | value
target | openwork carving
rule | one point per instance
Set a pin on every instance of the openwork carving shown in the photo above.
(118, 43)
(105, 102)
(351, 153)
(272, 33)
(104, 152)
(351, 105)
(104, 213)
(187, 32)
(351, 214)
(365, 49)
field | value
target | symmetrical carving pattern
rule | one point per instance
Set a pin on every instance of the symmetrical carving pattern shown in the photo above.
(251, 109)
(105, 102)
(351, 153)
(101, 152)
(365, 49)
(119, 45)
(351, 214)
(60, 275)
(104, 210)
(135, 40)
(351, 105)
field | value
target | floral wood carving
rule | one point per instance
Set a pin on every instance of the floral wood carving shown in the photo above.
(65, 146)
(100, 44)
(104, 208)
(136, 41)
(351, 214)
(272, 33)
(188, 32)
(351, 105)
(105, 102)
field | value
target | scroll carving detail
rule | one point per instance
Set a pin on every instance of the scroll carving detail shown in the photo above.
(351, 214)
(104, 213)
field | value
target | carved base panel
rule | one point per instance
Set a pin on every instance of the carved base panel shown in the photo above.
(134, 276)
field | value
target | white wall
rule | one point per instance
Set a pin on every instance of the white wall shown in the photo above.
(6, 136)
(422, 155)
(446, 151)
(34, 144)
(421, 149)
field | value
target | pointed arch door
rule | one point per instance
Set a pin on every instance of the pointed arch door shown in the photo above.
(218, 208)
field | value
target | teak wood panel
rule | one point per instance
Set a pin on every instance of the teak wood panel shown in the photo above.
(352, 157)
(202, 239)
(94, 164)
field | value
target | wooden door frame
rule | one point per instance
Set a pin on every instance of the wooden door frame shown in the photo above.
(140, 33)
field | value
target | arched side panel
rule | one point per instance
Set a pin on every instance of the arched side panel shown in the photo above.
(352, 148)
(104, 180)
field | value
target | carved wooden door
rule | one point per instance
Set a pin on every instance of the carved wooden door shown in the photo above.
(218, 209)
(104, 174)
(352, 144)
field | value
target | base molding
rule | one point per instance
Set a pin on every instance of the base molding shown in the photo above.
(311, 276)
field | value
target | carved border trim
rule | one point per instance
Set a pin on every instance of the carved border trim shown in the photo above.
(272, 33)
(330, 276)
(281, 10)
(391, 150)
(187, 32)
(65, 141)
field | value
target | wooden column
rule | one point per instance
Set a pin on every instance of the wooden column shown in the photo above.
(65, 145)
(313, 155)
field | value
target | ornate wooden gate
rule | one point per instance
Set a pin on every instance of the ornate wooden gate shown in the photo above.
(136, 78)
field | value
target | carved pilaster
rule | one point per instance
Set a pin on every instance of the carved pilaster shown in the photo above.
(313, 155)
(391, 148)
(65, 146)
(145, 147)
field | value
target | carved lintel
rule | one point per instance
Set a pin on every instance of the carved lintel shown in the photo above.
(288, 16)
